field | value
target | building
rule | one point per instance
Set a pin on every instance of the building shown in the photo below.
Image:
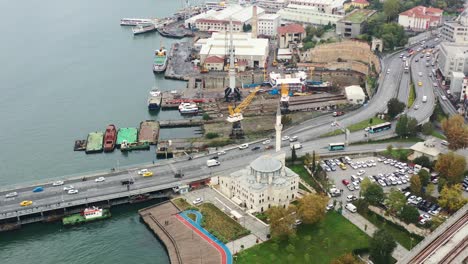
(426, 148)
(420, 18)
(456, 83)
(290, 33)
(218, 20)
(268, 25)
(456, 31)
(453, 57)
(464, 91)
(254, 51)
(324, 6)
(361, 4)
(264, 183)
(355, 94)
(214, 63)
(272, 6)
(354, 23)
(307, 15)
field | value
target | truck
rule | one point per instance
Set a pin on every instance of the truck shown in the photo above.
(296, 146)
(212, 162)
(424, 99)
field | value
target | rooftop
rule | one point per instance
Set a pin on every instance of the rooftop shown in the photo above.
(214, 59)
(266, 164)
(358, 15)
(427, 148)
(268, 17)
(243, 43)
(454, 48)
(291, 28)
(423, 12)
(355, 89)
(234, 12)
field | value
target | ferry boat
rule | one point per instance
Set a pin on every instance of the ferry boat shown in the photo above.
(154, 99)
(188, 108)
(160, 60)
(135, 21)
(143, 28)
(110, 136)
(87, 215)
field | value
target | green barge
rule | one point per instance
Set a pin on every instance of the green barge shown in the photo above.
(134, 146)
(87, 215)
(94, 142)
(127, 134)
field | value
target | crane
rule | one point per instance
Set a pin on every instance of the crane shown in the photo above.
(202, 64)
(235, 114)
(284, 101)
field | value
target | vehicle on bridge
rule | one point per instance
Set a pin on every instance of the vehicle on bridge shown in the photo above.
(11, 195)
(380, 127)
(57, 183)
(38, 189)
(147, 174)
(140, 172)
(338, 113)
(26, 203)
(127, 182)
(336, 146)
(100, 179)
(212, 163)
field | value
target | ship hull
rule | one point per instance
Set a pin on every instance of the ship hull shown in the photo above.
(109, 138)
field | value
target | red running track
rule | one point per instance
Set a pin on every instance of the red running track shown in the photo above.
(211, 242)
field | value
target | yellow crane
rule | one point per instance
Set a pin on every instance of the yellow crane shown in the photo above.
(235, 114)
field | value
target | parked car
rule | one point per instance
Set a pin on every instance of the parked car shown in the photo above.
(345, 182)
(100, 179)
(244, 146)
(199, 200)
(351, 198)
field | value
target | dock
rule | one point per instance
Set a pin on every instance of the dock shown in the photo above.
(149, 132)
(94, 142)
(183, 244)
(130, 134)
(180, 123)
(180, 66)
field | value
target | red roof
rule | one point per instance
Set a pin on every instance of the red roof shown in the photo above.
(214, 59)
(424, 12)
(360, 2)
(291, 29)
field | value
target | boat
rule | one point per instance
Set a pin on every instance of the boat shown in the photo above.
(188, 108)
(127, 134)
(140, 198)
(109, 138)
(149, 132)
(80, 145)
(87, 215)
(141, 28)
(160, 60)
(94, 142)
(154, 100)
(135, 21)
(134, 146)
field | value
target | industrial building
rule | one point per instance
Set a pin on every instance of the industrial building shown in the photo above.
(355, 94)
(354, 23)
(272, 6)
(453, 57)
(456, 31)
(264, 183)
(324, 6)
(290, 33)
(268, 25)
(251, 50)
(420, 18)
(307, 15)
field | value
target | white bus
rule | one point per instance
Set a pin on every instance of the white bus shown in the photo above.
(406, 65)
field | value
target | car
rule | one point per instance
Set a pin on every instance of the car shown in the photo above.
(11, 195)
(285, 138)
(221, 153)
(435, 84)
(350, 187)
(388, 71)
(297, 222)
(100, 179)
(416, 60)
(26, 203)
(382, 183)
(147, 174)
(366, 129)
(420, 74)
(266, 142)
(73, 191)
(199, 200)
(215, 157)
(67, 188)
(416, 107)
(420, 83)
(244, 146)
(361, 172)
(444, 97)
(127, 182)
(422, 221)
(345, 182)
(330, 207)
(356, 186)
(351, 198)
(444, 142)
(293, 139)
(57, 183)
(255, 148)
(38, 189)
(142, 171)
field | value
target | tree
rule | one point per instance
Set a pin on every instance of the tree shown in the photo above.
(451, 198)
(441, 184)
(415, 185)
(395, 107)
(427, 128)
(401, 128)
(392, 34)
(246, 27)
(451, 166)
(456, 131)
(395, 201)
(281, 222)
(381, 247)
(347, 258)
(206, 116)
(374, 194)
(412, 127)
(365, 184)
(389, 149)
(308, 160)
(423, 161)
(310, 208)
(430, 190)
(293, 154)
(409, 214)
(391, 8)
(424, 177)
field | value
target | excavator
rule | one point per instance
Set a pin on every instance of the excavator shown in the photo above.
(235, 114)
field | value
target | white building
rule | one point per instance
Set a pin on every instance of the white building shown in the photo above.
(420, 18)
(464, 91)
(268, 25)
(426, 148)
(355, 94)
(307, 15)
(218, 20)
(325, 6)
(456, 83)
(456, 31)
(264, 183)
(272, 6)
(453, 57)
(252, 50)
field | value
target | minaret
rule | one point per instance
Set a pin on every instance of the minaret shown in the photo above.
(232, 67)
(278, 128)
(254, 22)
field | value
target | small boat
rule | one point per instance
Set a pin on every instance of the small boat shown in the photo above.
(80, 145)
(154, 100)
(134, 146)
(135, 21)
(94, 142)
(109, 138)
(87, 215)
(143, 28)
(188, 108)
(160, 60)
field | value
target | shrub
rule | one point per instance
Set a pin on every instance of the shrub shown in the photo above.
(211, 135)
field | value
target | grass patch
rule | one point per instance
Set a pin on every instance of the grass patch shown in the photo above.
(181, 203)
(262, 216)
(302, 187)
(304, 174)
(192, 216)
(356, 127)
(438, 135)
(390, 140)
(221, 225)
(406, 239)
(397, 153)
(319, 243)
(412, 96)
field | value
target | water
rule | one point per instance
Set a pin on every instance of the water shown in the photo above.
(68, 69)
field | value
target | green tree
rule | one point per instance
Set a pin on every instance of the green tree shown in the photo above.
(391, 9)
(395, 107)
(389, 149)
(415, 185)
(451, 198)
(395, 201)
(286, 120)
(436, 221)
(451, 166)
(412, 127)
(392, 34)
(427, 128)
(430, 190)
(374, 194)
(424, 177)
(206, 116)
(281, 222)
(401, 128)
(365, 184)
(293, 154)
(441, 184)
(409, 214)
(423, 161)
(456, 131)
(308, 160)
(381, 247)
(347, 258)
(310, 208)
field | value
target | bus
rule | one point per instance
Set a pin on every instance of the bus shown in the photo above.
(336, 146)
(406, 66)
(380, 127)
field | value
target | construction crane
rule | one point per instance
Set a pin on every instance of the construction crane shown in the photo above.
(202, 64)
(235, 114)
(284, 100)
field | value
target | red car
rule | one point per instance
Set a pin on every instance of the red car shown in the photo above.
(345, 182)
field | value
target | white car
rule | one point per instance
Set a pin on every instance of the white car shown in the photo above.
(293, 139)
(444, 97)
(11, 195)
(366, 129)
(57, 183)
(351, 198)
(142, 171)
(285, 138)
(416, 107)
(382, 183)
(72, 191)
(356, 185)
(330, 207)
(266, 142)
(221, 153)
(68, 188)
(199, 200)
(244, 146)
(420, 74)
(100, 179)
(361, 172)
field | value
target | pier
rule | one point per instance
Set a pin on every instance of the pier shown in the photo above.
(180, 66)
(180, 123)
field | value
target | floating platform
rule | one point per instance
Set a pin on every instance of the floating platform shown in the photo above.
(94, 142)
(129, 134)
(134, 146)
(149, 132)
(80, 145)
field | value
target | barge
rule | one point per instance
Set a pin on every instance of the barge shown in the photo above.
(143, 28)
(109, 138)
(94, 142)
(149, 132)
(80, 145)
(125, 147)
(87, 215)
(136, 21)
(127, 134)
(154, 100)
